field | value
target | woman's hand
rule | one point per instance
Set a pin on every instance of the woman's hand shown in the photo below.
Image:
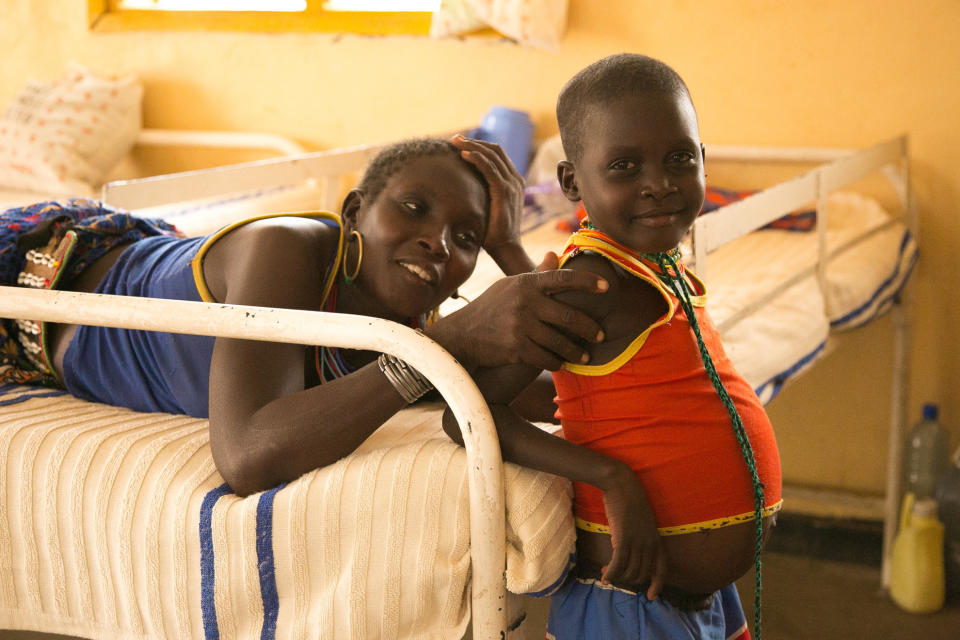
(638, 555)
(517, 321)
(506, 185)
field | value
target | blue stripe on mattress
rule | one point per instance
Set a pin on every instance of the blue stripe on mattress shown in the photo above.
(769, 389)
(268, 581)
(885, 303)
(15, 393)
(208, 606)
(549, 591)
(895, 277)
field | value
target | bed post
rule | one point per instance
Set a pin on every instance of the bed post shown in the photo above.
(899, 396)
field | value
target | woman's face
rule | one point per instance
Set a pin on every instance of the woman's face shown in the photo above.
(421, 235)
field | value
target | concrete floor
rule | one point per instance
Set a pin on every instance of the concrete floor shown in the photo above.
(805, 598)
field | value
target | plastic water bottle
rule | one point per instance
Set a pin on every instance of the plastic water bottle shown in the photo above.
(512, 130)
(948, 504)
(928, 454)
(916, 575)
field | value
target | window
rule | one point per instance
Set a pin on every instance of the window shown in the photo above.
(344, 16)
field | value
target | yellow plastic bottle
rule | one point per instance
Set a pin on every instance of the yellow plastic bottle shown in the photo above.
(916, 578)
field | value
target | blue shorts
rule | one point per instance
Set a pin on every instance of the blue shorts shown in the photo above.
(585, 609)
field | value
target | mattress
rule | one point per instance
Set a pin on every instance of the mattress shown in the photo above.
(116, 524)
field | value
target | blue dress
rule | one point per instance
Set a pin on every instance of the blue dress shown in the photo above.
(149, 370)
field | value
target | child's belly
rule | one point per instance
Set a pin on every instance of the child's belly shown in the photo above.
(693, 472)
(699, 563)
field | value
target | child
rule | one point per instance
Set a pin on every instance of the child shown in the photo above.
(675, 467)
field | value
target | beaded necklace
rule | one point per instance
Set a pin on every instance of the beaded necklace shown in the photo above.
(627, 257)
(671, 273)
(329, 361)
(330, 364)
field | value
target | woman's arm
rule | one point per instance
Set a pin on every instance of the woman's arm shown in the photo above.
(265, 427)
(506, 185)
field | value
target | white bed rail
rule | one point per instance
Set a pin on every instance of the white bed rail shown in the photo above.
(487, 511)
(740, 218)
(741, 153)
(323, 167)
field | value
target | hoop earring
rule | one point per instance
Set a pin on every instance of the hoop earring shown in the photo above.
(351, 277)
(456, 296)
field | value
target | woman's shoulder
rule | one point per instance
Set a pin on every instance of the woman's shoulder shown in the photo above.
(282, 237)
(293, 223)
(272, 261)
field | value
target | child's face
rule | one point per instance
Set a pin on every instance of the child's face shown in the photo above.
(640, 174)
(422, 234)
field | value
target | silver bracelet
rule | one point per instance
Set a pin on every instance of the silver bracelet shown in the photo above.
(409, 383)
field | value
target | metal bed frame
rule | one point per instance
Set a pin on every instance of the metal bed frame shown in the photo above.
(329, 169)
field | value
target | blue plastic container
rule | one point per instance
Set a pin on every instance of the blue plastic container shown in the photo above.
(512, 130)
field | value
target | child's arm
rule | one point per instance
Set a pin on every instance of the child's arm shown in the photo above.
(637, 553)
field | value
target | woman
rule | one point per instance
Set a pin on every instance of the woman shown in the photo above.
(411, 232)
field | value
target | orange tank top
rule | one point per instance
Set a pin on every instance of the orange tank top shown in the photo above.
(654, 407)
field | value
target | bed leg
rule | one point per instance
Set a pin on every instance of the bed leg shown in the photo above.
(898, 416)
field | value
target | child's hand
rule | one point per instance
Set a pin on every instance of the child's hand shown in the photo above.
(638, 555)
(506, 190)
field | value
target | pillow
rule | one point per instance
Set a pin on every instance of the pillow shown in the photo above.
(715, 197)
(61, 138)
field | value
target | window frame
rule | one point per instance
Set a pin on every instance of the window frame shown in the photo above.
(105, 16)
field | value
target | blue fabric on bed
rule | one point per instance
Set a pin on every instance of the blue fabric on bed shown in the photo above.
(144, 370)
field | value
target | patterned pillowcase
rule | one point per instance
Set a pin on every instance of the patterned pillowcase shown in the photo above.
(62, 138)
(716, 197)
(796, 221)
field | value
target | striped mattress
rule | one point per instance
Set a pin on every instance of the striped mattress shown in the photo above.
(115, 524)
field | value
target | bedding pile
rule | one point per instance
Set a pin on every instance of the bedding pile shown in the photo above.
(115, 524)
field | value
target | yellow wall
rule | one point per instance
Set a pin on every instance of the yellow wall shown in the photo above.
(817, 72)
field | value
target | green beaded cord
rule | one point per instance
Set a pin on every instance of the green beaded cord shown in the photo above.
(672, 278)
